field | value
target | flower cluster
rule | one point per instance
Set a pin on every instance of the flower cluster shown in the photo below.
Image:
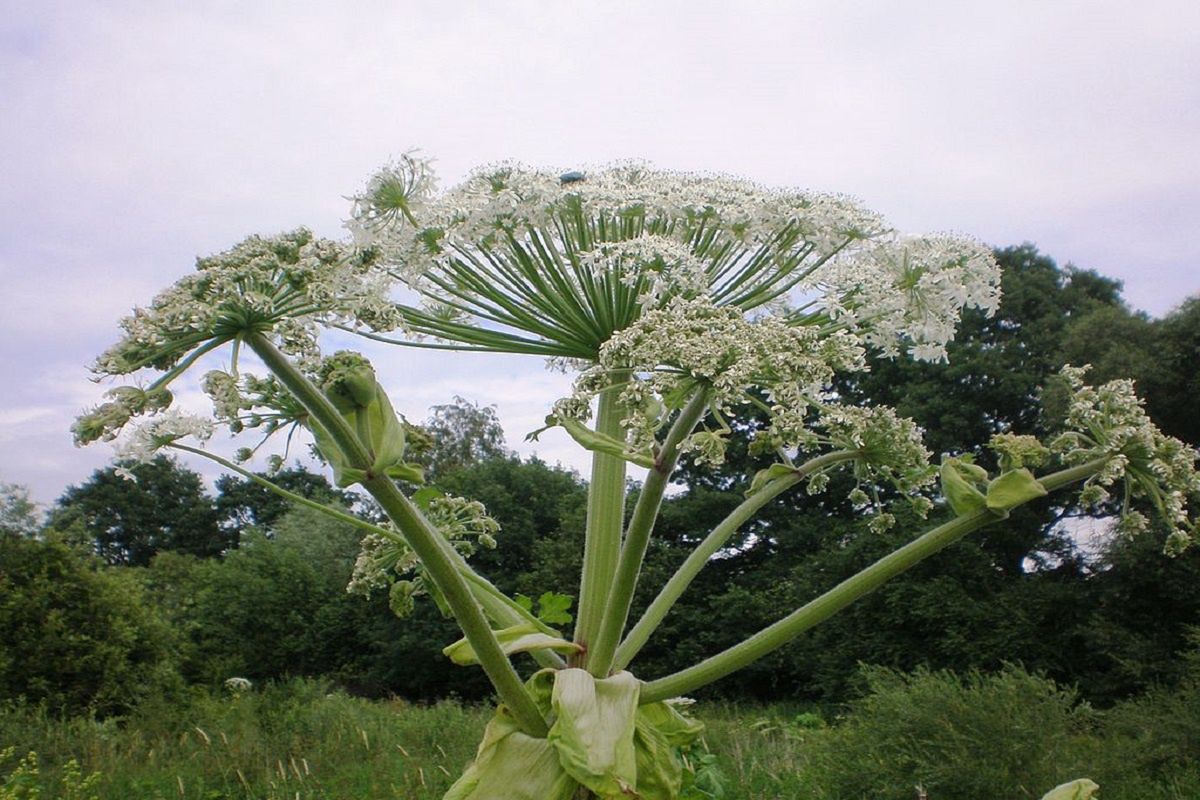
(1108, 422)
(125, 402)
(909, 292)
(143, 442)
(889, 447)
(555, 263)
(694, 345)
(282, 284)
(383, 560)
(390, 198)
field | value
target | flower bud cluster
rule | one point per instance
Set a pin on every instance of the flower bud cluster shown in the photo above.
(106, 420)
(1108, 422)
(385, 562)
(890, 447)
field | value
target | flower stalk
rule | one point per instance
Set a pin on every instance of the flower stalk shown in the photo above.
(605, 512)
(433, 550)
(637, 535)
(868, 580)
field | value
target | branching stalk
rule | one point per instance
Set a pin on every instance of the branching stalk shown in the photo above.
(842, 595)
(431, 547)
(605, 515)
(687, 572)
(637, 535)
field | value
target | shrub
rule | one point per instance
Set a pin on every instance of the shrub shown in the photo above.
(1010, 735)
(76, 638)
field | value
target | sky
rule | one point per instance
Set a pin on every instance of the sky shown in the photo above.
(135, 136)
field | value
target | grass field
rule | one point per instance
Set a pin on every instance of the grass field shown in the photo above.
(300, 741)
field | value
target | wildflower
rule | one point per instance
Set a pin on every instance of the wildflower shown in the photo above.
(1108, 422)
(146, 439)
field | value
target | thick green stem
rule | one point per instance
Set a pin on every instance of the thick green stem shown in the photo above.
(436, 554)
(687, 572)
(842, 595)
(637, 536)
(605, 515)
(500, 607)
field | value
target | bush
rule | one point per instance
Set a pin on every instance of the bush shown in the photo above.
(1150, 749)
(1010, 735)
(76, 638)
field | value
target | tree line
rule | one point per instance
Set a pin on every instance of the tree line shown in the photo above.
(155, 586)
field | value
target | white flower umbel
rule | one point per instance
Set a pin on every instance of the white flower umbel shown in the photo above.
(280, 285)
(535, 261)
(907, 293)
(143, 442)
(1108, 421)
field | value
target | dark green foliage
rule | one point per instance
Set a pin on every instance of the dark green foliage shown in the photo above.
(75, 637)
(1154, 740)
(273, 607)
(1010, 735)
(241, 503)
(1007, 735)
(18, 514)
(996, 365)
(535, 505)
(128, 522)
(461, 434)
(1144, 608)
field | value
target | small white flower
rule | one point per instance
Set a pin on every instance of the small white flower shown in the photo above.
(152, 434)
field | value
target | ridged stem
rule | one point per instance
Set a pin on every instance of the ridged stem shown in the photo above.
(716, 539)
(436, 554)
(637, 536)
(842, 595)
(605, 515)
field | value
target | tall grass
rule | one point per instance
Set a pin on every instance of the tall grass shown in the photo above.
(1008, 736)
(287, 741)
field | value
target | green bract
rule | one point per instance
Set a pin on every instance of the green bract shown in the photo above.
(692, 310)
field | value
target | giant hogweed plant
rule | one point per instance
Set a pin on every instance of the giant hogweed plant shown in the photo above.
(679, 302)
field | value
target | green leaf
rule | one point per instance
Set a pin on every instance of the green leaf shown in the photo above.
(1080, 789)
(423, 497)
(960, 492)
(553, 608)
(594, 729)
(511, 765)
(765, 476)
(409, 473)
(517, 639)
(1012, 489)
(660, 730)
(600, 443)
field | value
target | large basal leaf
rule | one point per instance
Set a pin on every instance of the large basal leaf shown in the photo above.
(511, 765)
(660, 731)
(1081, 789)
(594, 729)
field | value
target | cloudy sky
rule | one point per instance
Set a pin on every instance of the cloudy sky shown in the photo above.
(137, 135)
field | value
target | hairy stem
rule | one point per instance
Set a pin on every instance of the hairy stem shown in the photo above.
(605, 514)
(431, 547)
(840, 596)
(637, 536)
(687, 572)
